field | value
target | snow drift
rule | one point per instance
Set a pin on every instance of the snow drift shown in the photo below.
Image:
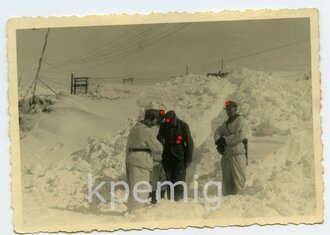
(273, 104)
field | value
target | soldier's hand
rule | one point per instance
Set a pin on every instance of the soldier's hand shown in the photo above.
(221, 141)
(221, 145)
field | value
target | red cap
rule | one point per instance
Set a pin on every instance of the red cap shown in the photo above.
(168, 120)
(179, 137)
(161, 111)
(178, 142)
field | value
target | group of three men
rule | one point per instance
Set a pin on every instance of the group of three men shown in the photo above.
(160, 147)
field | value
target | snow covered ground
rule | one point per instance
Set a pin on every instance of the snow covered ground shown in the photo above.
(87, 135)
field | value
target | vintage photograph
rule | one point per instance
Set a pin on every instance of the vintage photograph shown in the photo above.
(165, 120)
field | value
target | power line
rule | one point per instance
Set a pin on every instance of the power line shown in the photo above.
(267, 50)
(54, 72)
(93, 50)
(125, 44)
(130, 43)
(257, 53)
(264, 61)
(129, 47)
(126, 53)
(105, 44)
(45, 84)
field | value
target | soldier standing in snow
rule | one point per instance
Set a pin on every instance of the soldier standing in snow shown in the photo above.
(178, 148)
(229, 138)
(142, 146)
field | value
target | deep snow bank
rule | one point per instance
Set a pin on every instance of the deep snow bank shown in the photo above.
(196, 99)
(51, 137)
(273, 103)
(281, 183)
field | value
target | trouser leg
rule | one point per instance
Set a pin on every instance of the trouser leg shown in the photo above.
(152, 196)
(227, 179)
(162, 178)
(238, 170)
(154, 175)
(175, 171)
(168, 175)
(179, 174)
(135, 175)
(157, 175)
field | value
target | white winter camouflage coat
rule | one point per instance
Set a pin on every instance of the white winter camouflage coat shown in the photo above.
(142, 137)
(234, 134)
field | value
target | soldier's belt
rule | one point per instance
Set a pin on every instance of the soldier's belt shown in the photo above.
(139, 150)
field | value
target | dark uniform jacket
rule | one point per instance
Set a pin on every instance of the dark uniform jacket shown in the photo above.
(170, 134)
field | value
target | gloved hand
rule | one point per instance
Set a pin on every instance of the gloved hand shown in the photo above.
(221, 141)
(221, 145)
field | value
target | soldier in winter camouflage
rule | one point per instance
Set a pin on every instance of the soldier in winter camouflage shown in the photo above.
(230, 138)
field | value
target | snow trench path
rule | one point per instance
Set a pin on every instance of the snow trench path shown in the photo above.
(203, 149)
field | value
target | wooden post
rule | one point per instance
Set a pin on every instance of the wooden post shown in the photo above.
(39, 64)
(86, 87)
(74, 86)
(71, 91)
(19, 81)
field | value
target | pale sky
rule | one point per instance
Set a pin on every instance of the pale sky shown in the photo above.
(159, 51)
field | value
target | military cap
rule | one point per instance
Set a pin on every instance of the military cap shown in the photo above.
(231, 104)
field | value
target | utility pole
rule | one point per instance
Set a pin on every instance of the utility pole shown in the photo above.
(19, 81)
(39, 65)
(222, 61)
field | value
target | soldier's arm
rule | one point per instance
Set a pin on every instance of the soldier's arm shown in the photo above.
(160, 135)
(189, 144)
(153, 143)
(239, 135)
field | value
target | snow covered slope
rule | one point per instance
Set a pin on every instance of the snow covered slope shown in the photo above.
(277, 107)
